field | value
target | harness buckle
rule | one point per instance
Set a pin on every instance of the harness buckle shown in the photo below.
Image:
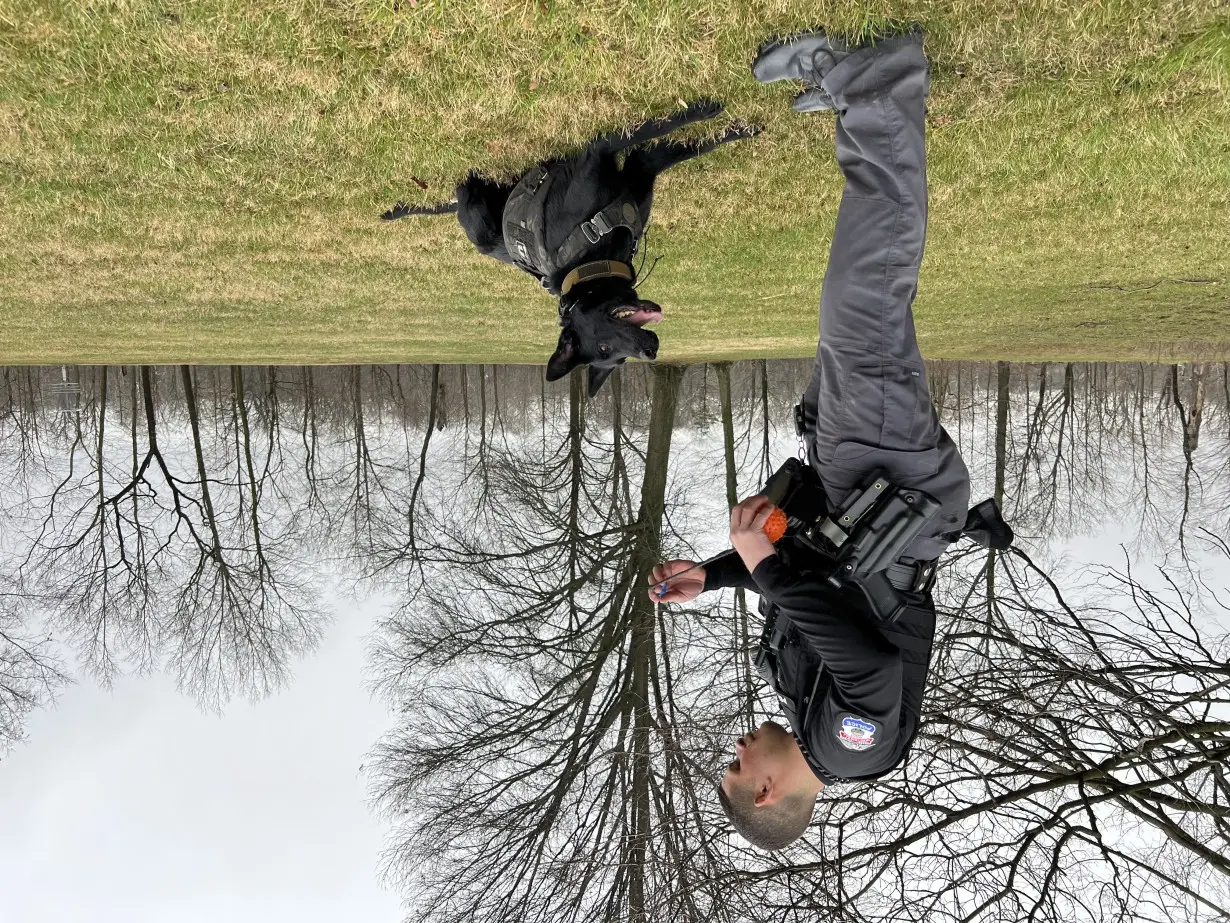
(596, 228)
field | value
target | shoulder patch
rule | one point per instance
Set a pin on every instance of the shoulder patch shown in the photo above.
(856, 733)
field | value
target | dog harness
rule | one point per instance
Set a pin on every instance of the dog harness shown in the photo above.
(525, 227)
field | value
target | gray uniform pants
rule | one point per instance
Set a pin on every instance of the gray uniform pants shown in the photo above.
(868, 406)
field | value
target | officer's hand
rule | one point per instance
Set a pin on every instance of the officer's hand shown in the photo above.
(680, 589)
(747, 530)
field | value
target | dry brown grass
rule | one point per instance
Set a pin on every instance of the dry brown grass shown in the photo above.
(200, 182)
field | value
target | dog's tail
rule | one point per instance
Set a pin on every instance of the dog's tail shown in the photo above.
(402, 210)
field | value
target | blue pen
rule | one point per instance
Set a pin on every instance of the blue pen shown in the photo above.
(661, 591)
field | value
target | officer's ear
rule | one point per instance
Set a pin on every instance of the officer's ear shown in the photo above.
(565, 358)
(764, 793)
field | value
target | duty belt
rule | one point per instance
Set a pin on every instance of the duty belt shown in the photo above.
(918, 577)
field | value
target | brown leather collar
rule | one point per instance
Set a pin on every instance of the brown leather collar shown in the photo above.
(602, 269)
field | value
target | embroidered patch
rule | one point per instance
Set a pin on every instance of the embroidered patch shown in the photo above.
(857, 734)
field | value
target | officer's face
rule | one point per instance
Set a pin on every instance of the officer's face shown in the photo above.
(761, 757)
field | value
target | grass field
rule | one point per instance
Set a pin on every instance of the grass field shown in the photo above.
(200, 181)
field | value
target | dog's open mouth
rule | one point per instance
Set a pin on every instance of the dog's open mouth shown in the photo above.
(639, 318)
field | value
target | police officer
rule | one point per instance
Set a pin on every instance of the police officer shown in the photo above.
(851, 683)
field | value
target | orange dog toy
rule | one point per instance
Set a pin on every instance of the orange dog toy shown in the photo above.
(775, 525)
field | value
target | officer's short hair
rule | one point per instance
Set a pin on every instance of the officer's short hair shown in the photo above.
(770, 826)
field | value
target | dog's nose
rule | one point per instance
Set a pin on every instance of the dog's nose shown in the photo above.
(651, 353)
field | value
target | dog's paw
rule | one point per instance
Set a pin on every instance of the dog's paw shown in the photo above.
(703, 109)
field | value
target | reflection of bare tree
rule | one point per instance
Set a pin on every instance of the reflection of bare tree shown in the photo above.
(1002, 401)
(1189, 419)
(549, 759)
(159, 546)
(1053, 477)
(742, 627)
(1096, 445)
(30, 673)
(557, 734)
(1070, 768)
(435, 420)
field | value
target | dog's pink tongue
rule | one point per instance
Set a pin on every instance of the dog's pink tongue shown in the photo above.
(641, 318)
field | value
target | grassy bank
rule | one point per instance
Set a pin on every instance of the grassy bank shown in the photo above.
(200, 182)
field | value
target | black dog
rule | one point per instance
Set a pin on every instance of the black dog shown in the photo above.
(574, 223)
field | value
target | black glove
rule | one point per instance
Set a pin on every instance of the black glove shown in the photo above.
(985, 525)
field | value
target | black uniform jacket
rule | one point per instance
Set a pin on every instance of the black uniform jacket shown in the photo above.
(851, 685)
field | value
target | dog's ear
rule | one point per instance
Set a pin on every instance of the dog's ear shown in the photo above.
(597, 376)
(564, 359)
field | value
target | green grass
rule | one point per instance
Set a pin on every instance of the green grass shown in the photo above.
(200, 181)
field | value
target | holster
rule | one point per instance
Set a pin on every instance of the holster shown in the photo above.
(860, 543)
